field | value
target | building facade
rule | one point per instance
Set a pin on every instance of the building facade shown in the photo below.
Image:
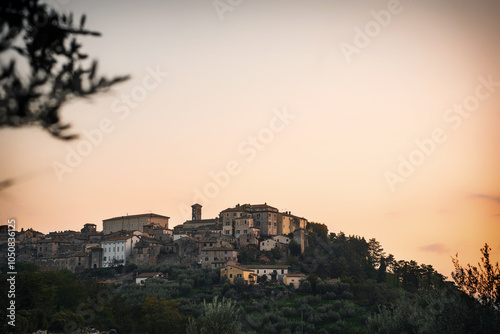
(216, 257)
(293, 280)
(133, 222)
(266, 218)
(117, 249)
(230, 272)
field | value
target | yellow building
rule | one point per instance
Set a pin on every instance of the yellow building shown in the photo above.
(232, 271)
(293, 279)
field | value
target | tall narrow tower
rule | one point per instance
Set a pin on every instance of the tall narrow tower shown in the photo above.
(196, 209)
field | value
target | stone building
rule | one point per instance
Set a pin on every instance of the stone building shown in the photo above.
(264, 217)
(197, 224)
(133, 222)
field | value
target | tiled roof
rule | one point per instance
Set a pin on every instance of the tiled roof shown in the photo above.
(218, 249)
(148, 275)
(265, 266)
(152, 215)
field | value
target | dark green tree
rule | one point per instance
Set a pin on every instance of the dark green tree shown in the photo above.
(218, 317)
(161, 316)
(381, 271)
(376, 252)
(44, 66)
(482, 281)
(294, 248)
(321, 230)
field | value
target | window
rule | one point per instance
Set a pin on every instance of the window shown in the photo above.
(104, 258)
(230, 275)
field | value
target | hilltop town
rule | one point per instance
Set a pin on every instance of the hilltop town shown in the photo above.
(275, 272)
(147, 239)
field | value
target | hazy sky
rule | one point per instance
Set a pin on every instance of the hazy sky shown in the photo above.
(378, 118)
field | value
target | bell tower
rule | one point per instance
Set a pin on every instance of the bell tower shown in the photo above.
(196, 210)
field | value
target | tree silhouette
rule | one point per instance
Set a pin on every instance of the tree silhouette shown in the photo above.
(482, 281)
(43, 66)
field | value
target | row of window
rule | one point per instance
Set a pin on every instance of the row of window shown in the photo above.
(216, 258)
(114, 258)
(238, 214)
(220, 252)
(115, 249)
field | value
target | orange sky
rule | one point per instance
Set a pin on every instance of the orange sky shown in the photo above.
(269, 95)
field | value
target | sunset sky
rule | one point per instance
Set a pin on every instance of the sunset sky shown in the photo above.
(314, 107)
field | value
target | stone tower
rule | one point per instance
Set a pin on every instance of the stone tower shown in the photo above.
(196, 210)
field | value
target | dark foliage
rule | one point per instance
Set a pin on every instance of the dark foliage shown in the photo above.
(43, 66)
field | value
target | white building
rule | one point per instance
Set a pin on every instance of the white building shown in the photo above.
(141, 278)
(268, 244)
(282, 239)
(117, 249)
(272, 271)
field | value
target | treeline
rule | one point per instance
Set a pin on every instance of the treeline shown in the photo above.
(352, 286)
